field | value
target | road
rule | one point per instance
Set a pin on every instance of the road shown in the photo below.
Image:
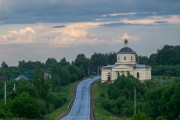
(81, 107)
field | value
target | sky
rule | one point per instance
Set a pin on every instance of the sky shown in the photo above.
(40, 29)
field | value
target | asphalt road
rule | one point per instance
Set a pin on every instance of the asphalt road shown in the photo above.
(81, 107)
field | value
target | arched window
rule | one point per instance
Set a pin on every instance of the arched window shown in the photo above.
(124, 58)
(131, 58)
(138, 75)
(109, 77)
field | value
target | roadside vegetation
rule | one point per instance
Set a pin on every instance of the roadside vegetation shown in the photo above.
(99, 95)
(41, 88)
(66, 91)
(156, 99)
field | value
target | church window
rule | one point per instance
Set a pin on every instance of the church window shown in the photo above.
(137, 74)
(131, 58)
(118, 73)
(128, 73)
(124, 58)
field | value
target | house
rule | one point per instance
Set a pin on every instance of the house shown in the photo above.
(126, 65)
(3, 78)
(47, 75)
(22, 77)
(25, 76)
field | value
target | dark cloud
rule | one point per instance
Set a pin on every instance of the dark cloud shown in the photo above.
(58, 26)
(34, 11)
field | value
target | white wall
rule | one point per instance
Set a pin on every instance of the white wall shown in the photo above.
(128, 60)
(104, 73)
(144, 73)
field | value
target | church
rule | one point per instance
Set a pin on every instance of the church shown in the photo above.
(126, 65)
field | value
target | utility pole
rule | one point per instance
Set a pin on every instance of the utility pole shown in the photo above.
(98, 70)
(5, 93)
(134, 100)
(14, 88)
(88, 71)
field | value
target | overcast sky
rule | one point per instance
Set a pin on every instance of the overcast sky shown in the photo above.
(39, 29)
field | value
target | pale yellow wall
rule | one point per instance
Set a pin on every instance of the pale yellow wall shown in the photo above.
(120, 59)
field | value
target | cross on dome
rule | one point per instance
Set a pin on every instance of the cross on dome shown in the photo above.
(126, 41)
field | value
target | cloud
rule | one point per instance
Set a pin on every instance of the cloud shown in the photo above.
(69, 35)
(118, 14)
(18, 37)
(121, 38)
(76, 34)
(173, 19)
(54, 11)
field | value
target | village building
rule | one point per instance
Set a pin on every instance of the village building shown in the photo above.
(126, 65)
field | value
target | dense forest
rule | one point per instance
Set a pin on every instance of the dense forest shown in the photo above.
(37, 97)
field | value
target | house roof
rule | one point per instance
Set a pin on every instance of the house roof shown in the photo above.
(21, 77)
(109, 66)
(140, 66)
(135, 66)
(3, 78)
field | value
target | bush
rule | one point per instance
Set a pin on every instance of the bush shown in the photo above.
(25, 106)
(139, 116)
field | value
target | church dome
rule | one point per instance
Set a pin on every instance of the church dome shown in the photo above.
(126, 49)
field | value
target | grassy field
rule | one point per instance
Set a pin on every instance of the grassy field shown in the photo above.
(67, 91)
(100, 113)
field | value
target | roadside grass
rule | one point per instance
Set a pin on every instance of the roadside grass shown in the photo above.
(99, 112)
(66, 91)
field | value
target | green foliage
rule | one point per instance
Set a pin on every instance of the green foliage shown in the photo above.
(4, 65)
(118, 98)
(99, 59)
(120, 95)
(153, 99)
(166, 70)
(82, 62)
(164, 100)
(160, 118)
(41, 84)
(168, 55)
(25, 106)
(50, 62)
(165, 62)
(139, 116)
(5, 111)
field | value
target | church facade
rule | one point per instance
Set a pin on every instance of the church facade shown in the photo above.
(126, 65)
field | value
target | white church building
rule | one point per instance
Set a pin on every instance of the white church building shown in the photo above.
(126, 65)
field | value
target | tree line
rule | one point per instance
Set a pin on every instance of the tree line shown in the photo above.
(42, 95)
(154, 101)
(41, 92)
(165, 62)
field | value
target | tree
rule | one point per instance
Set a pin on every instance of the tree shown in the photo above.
(82, 62)
(63, 63)
(4, 65)
(50, 62)
(25, 106)
(41, 84)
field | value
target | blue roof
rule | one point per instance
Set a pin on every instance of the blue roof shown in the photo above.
(140, 66)
(109, 66)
